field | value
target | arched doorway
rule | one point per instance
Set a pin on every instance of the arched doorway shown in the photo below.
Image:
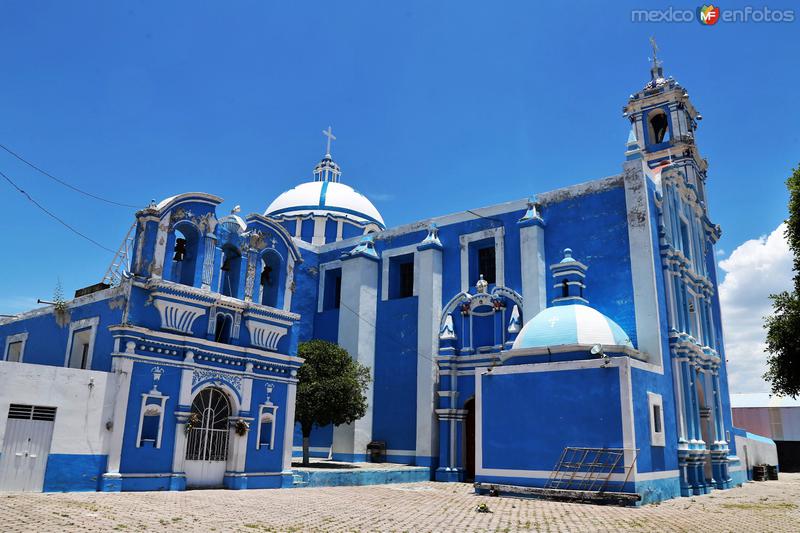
(207, 439)
(469, 441)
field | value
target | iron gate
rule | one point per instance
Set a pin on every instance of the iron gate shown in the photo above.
(208, 440)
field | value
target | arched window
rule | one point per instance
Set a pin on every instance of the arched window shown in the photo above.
(230, 271)
(184, 254)
(222, 330)
(266, 430)
(270, 278)
(150, 424)
(659, 127)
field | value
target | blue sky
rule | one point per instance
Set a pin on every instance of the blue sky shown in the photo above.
(438, 107)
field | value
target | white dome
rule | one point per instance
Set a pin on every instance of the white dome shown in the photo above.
(325, 197)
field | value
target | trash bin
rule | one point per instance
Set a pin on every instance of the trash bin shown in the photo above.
(377, 451)
(772, 472)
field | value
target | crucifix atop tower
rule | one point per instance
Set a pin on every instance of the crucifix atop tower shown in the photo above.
(655, 71)
(329, 134)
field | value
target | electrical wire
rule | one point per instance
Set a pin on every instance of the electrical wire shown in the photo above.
(54, 216)
(64, 183)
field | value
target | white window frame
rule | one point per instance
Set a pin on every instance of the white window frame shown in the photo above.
(17, 337)
(656, 438)
(77, 326)
(270, 410)
(161, 405)
(323, 268)
(499, 254)
(386, 256)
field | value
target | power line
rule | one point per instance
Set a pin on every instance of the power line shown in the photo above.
(54, 216)
(64, 183)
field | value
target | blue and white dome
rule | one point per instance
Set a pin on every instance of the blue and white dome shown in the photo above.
(571, 324)
(326, 196)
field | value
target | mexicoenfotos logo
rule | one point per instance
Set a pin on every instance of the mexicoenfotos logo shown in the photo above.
(707, 15)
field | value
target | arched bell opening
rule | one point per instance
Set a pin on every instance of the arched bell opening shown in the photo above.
(271, 276)
(185, 252)
(230, 271)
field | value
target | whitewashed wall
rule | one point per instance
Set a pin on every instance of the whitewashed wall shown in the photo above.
(82, 410)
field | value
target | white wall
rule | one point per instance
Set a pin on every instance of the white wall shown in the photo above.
(757, 452)
(81, 411)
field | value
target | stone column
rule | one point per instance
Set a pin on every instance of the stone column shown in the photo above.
(534, 270)
(357, 315)
(288, 427)
(250, 276)
(429, 310)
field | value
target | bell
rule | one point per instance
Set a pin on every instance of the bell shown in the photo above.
(180, 249)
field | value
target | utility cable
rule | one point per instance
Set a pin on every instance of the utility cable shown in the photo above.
(54, 216)
(64, 183)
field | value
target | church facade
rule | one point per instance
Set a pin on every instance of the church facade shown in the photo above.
(584, 318)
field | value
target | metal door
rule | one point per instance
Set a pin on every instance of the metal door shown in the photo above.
(26, 446)
(207, 440)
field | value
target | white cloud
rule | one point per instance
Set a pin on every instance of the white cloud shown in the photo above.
(754, 270)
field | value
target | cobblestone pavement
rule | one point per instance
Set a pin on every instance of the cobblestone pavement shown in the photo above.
(765, 506)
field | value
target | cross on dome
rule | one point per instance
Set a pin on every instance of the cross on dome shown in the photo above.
(331, 137)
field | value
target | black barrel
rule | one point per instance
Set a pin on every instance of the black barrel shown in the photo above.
(760, 473)
(772, 472)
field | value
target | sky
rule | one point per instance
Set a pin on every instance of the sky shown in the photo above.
(437, 107)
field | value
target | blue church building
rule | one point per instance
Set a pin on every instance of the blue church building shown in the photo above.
(586, 317)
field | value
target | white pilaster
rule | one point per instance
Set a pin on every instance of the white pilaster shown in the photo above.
(643, 267)
(534, 271)
(288, 426)
(357, 315)
(123, 368)
(428, 280)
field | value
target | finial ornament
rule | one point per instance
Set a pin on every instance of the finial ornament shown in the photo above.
(236, 209)
(567, 253)
(331, 137)
(482, 285)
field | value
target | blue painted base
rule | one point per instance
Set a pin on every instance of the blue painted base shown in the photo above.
(657, 490)
(255, 481)
(155, 482)
(350, 457)
(348, 478)
(738, 478)
(111, 483)
(448, 475)
(74, 472)
(177, 482)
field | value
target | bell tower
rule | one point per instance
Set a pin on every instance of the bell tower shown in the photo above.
(663, 124)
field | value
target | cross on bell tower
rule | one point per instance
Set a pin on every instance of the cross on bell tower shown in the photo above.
(663, 124)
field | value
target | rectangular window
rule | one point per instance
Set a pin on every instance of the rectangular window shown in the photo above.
(266, 426)
(79, 356)
(401, 276)
(486, 264)
(656, 406)
(332, 294)
(14, 353)
(151, 422)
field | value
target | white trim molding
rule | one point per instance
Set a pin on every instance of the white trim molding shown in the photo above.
(499, 254)
(11, 339)
(78, 326)
(267, 412)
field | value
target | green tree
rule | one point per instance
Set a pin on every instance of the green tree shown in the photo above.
(331, 388)
(783, 326)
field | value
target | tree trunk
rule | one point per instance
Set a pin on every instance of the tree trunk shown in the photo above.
(306, 440)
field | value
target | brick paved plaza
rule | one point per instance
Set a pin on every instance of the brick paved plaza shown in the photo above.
(766, 506)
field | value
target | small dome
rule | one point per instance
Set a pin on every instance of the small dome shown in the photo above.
(571, 324)
(325, 197)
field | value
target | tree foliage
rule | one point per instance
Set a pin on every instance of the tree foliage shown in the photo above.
(331, 388)
(783, 326)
